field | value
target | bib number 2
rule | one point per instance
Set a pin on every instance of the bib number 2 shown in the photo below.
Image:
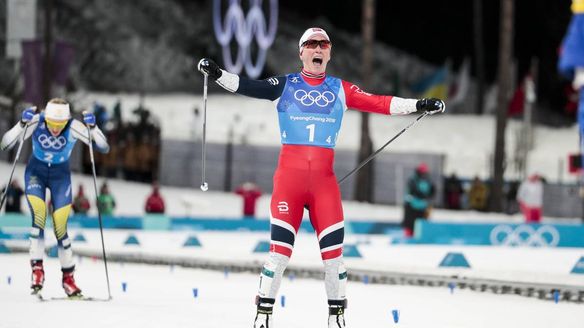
(48, 157)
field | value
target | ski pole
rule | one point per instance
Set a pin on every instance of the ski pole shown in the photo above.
(13, 166)
(98, 211)
(368, 159)
(204, 185)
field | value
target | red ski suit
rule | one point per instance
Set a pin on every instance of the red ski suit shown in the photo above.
(305, 177)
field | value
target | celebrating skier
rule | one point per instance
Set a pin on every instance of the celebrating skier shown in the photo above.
(54, 134)
(310, 108)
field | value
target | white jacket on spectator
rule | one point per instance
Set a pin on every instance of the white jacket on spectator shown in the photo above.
(530, 192)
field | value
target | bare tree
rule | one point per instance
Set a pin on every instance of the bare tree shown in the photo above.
(504, 80)
(364, 186)
(48, 43)
(479, 50)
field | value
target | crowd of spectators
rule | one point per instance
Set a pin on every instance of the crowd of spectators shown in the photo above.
(106, 202)
(475, 194)
(134, 146)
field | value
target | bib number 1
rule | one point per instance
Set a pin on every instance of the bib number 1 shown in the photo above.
(311, 128)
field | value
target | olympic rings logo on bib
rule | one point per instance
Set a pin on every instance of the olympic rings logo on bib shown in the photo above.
(52, 142)
(245, 26)
(314, 97)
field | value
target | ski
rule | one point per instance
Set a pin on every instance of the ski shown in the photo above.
(73, 298)
(36, 292)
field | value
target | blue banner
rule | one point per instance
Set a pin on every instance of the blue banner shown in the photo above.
(162, 222)
(524, 235)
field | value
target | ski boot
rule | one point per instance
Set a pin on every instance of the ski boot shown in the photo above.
(337, 313)
(263, 318)
(37, 277)
(69, 285)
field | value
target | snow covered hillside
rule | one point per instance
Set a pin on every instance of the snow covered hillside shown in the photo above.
(466, 140)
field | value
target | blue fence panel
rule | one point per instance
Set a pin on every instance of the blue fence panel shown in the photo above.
(533, 235)
(109, 222)
(187, 223)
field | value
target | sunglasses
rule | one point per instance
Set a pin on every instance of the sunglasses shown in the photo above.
(312, 44)
(56, 125)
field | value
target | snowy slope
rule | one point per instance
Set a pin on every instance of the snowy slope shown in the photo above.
(163, 297)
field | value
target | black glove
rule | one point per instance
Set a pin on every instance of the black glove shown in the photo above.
(209, 67)
(430, 105)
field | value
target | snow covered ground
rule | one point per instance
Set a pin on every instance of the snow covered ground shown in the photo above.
(163, 296)
(376, 253)
(466, 140)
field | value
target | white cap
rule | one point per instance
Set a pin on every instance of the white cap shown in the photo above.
(309, 33)
(57, 112)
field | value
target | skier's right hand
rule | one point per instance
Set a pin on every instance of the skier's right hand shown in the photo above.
(27, 115)
(209, 67)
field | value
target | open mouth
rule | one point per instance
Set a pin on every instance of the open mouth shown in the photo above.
(55, 132)
(317, 61)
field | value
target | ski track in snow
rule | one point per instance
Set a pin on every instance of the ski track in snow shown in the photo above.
(162, 296)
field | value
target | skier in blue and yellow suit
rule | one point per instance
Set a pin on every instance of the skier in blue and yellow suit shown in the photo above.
(54, 134)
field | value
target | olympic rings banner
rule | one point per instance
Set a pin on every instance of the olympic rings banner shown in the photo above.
(245, 27)
(514, 235)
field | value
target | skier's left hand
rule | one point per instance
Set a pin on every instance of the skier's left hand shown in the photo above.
(431, 105)
(89, 119)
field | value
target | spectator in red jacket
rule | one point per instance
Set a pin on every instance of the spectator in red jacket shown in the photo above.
(250, 193)
(81, 204)
(155, 202)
